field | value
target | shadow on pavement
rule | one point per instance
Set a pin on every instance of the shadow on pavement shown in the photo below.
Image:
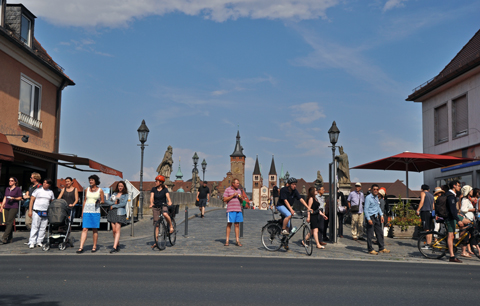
(19, 299)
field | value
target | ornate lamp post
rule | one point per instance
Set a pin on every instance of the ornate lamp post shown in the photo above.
(195, 173)
(204, 168)
(142, 136)
(287, 176)
(333, 134)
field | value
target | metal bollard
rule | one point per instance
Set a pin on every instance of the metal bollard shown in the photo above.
(186, 220)
(241, 225)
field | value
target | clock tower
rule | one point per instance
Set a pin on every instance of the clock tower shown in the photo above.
(237, 162)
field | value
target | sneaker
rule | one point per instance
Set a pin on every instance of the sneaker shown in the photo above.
(285, 232)
(373, 252)
(39, 245)
(384, 251)
(31, 246)
(426, 247)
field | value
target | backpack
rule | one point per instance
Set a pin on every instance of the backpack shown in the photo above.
(441, 206)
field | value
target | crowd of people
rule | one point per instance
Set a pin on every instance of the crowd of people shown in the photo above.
(461, 206)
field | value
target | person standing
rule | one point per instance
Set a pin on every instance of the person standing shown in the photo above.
(374, 217)
(70, 195)
(9, 207)
(91, 212)
(452, 218)
(35, 179)
(233, 197)
(425, 209)
(275, 194)
(341, 210)
(117, 214)
(324, 209)
(355, 200)
(203, 196)
(39, 202)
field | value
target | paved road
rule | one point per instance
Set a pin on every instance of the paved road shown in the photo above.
(207, 237)
(199, 280)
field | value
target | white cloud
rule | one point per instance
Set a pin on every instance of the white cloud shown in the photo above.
(263, 138)
(249, 164)
(391, 4)
(307, 112)
(85, 45)
(149, 174)
(395, 144)
(114, 13)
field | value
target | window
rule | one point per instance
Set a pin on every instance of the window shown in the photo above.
(460, 117)
(256, 184)
(29, 106)
(25, 30)
(272, 178)
(441, 124)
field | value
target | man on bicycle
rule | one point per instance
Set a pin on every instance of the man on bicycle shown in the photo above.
(288, 195)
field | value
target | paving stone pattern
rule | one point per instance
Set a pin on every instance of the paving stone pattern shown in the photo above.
(206, 237)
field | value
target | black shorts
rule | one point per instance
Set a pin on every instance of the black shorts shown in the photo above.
(202, 202)
(427, 220)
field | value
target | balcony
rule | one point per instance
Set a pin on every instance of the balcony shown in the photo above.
(29, 122)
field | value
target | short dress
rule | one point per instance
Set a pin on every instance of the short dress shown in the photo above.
(91, 211)
(113, 215)
(314, 217)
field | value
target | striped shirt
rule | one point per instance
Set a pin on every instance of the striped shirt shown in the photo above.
(234, 204)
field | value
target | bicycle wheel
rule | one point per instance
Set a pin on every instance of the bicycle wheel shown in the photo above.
(272, 237)
(436, 248)
(161, 236)
(173, 236)
(308, 240)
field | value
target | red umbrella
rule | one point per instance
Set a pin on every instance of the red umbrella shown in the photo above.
(418, 162)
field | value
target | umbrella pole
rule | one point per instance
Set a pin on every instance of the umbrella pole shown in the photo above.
(407, 180)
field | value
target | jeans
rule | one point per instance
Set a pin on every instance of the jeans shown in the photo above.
(285, 212)
(378, 229)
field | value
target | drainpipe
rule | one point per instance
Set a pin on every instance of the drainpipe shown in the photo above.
(58, 108)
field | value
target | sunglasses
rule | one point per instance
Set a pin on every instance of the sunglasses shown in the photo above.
(375, 188)
(11, 180)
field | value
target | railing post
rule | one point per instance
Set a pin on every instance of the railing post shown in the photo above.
(186, 220)
(241, 224)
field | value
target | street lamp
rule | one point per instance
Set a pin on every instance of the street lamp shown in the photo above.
(204, 168)
(333, 134)
(195, 172)
(24, 137)
(287, 175)
(142, 136)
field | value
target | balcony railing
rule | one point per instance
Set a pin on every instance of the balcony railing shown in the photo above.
(28, 121)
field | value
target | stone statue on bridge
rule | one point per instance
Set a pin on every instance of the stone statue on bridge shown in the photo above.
(319, 181)
(343, 167)
(166, 166)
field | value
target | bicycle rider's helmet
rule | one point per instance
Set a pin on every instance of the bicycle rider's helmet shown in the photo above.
(291, 180)
(160, 178)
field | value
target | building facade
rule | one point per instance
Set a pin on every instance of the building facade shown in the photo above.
(450, 112)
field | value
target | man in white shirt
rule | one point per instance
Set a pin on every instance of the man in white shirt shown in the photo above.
(39, 202)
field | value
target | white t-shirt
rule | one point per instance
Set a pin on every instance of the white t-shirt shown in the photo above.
(42, 198)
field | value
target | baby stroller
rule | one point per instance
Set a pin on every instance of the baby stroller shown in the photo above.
(59, 225)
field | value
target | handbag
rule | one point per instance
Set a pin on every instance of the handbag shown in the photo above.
(355, 209)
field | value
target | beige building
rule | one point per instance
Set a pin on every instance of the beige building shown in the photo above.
(450, 115)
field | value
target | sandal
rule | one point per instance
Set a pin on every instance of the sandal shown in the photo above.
(321, 247)
(468, 256)
(79, 251)
(226, 244)
(94, 249)
(238, 243)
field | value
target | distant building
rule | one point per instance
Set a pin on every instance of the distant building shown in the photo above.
(450, 115)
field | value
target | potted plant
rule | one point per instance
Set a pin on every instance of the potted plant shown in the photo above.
(406, 223)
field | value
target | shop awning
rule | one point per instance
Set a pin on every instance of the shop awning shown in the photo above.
(6, 150)
(70, 161)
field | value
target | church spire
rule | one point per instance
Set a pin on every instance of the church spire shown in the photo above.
(238, 152)
(256, 170)
(179, 175)
(273, 171)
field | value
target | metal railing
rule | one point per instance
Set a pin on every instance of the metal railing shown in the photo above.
(29, 121)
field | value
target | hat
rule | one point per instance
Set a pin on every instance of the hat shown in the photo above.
(357, 184)
(438, 190)
(466, 190)
(382, 192)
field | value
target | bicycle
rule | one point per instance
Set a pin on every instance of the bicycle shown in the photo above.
(161, 230)
(439, 246)
(273, 240)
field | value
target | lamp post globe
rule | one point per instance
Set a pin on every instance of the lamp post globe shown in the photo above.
(143, 132)
(333, 133)
(204, 168)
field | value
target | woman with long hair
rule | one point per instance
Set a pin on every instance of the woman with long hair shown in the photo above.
(9, 207)
(117, 214)
(91, 212)
(316, 218)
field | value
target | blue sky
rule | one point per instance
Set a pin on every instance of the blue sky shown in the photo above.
(281, 70)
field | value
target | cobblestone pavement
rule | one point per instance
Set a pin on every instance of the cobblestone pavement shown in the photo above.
(207, 237)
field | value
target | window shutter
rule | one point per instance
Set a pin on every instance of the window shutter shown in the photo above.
(441, 123)
(460, 106)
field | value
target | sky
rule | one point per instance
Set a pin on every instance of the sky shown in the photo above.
(279, 71)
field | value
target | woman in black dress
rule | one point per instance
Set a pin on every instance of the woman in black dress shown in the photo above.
(316, 218)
